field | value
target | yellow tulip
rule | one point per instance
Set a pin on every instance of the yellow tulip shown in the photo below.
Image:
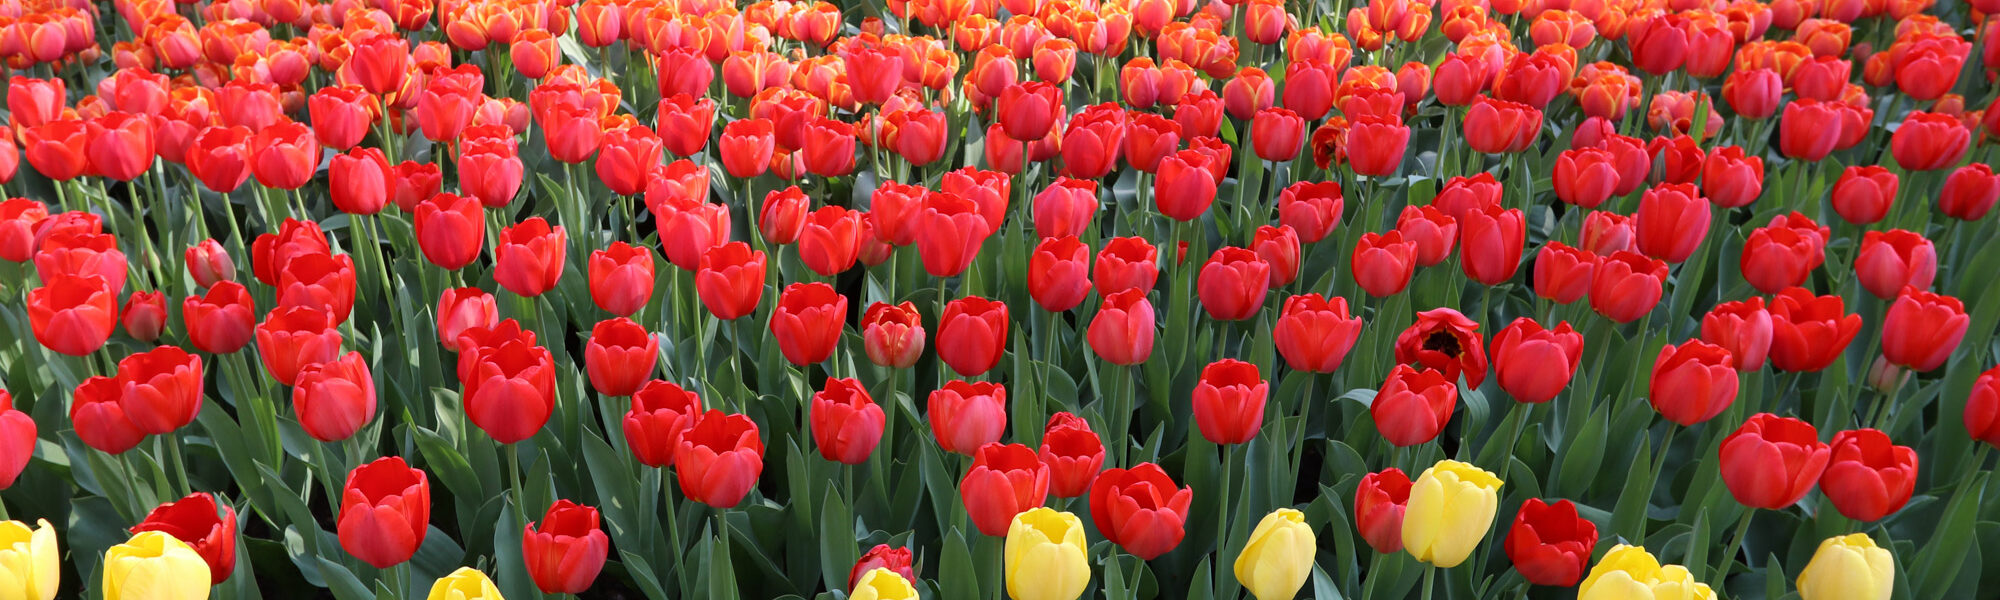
(1632, 573)
(1848, 567)
(1451, 507)
(466, 583)
(1279, 557)
(154, 566)
(1046, 558)
(882, 584)
(28, 561)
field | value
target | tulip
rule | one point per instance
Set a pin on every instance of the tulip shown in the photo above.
(1308, 88)
(1046, 557)
(950, 233)
(73, 315)
(1627, 285)
(746, 146)
(76, 254)
(207, 527)
(1126, 263)
(413, 182)
(1563, 273)
(661, 413)
(1889, 261)
(1549, 544)
(1671, 221)
(719, 459)
(119, 145)
(1067, 207)
(627, 155)
(490, 167)
(1379, 504)
(846, 422)
(1147, 139)
(1312, 209)
(807, 322)
(1073, 453)
(1375, 145)
(1140, 509)
(1753, 93)
(1692, 382)
(1451, 506)
(1093, 141)
(1970, 191)
(730, 280)
(145, 313)
(1742, 328)
(1772, 461)
(1808, 332)
(30, 562)
(1730, 179)
(161, 389)
(1775, 258)
(1232, 284)
(1922, 329)
(290, 338)
(1863, 194)
(893, 334)
(1868, 477)
(384, 512)
(1413, 406)
(1849, 567)
(1435, 232)
(1184, 187)
(1631, 573)
(1444, 339)
(284, 155)
(18, 218)
(565, 552)
(1029, 110)
(1314, 334)
(528, 258)
(621, 278)
(461, 309)
(340, 115)
(17, 441)
(966, 416)
(466, 583)
(1275, 134)
(883, 584)
(882, 557)
(1490, 242)
(1058, 276)
(334, 399)
(1279, 248)
(1383, 263)
(619, 356)
(1124, 328)
(154, 565)
(450, 230)
(1501, 127)
(977, 330)
(1929, 141)
(1278, 557)
(1229, 401)
(1004, 481)
(1809, 130)
(1535, 364)
(56, 148)
(830, 240)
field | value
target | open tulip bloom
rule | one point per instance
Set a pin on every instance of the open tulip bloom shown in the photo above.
(1028, 299)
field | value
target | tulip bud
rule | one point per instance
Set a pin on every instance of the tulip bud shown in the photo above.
(32, 562)
(145, 314)
(1849, 567)
(209, 264)
(1278, 557)
(154, 565)
(1451, 506)
(1046, 557)
(566, 550)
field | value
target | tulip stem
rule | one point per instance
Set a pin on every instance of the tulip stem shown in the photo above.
(1222, 503)
(1430, 579)
(173, 442)
(1374, 573)
(1735, 545)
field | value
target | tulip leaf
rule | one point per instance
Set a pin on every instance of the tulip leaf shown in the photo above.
(342, 582)
(1944, 555)
(1577, 467)
(837, 551)
(956, 571)
(1628, 517)
(447, 464)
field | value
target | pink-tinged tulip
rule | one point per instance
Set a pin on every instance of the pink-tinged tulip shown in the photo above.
(1671, 222)
(661, 413)
(1126, 263)
(1970, 191)
(976, 329)
(967, 415)
(144, 315)
(893, 334)
(1627, 285)
(1124, 328)
(1743, 328)
(1383, 263)
(950, 233)
(510, 391)
(1068, 207)
(782, 218)
(1771, 461)
(1889, 261)
(1004, 480)
(73, 315)
(1279, 248)
(528, 259)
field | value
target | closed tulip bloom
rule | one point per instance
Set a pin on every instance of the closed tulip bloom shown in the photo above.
(719, 459)
(1068, 207)
(1772, 461)
(885, 558)
(1004, 480)
(1433, 230)
(1775, 258)
(1922, 329)
(830, 240)
(1863, 194)
(450, 230)
(1535, 364)
(746, 147)
(1413, 406)
(1309, 88)
(1184, 187)
(976, 329)
(334, 399)
(1743, 328)
(30, 561)
(807, 322)
(1046, 556)
(145, 313)
(1446, 340)
(1279, 249)
(466, 583)
(882, 584)
(661, 413)
(1093, 141)
(340, 115)
(154, 565)
(1374, 145)
(73, 315)
(161, 389)
(892, 334)
(1126, 263)
(1868, 477)
(566, 550)
(846, 422)
(1380, 501)
(360, 181)
(1929, 141)
(1889, 261)
(17, 441)
(1073, 453)
(1808, 332)
(119, 145)
(950, 231)
(1753, 93)
(1275, 134)
(1490, 243)
(1692, 382)
(1314, 334)
(1730, 179)
(284, 155)
(1849, 567)
(528, 258)
(290, 338)
(56, 148)
(626, 156)
(1141, 509)
(1671, 221)
(684, 124)
(619, 356)
(1501, 127)
(1229, 401)
(77, 254)
(1809, 130)
(384, 512)
(1232, 284)
(1383, 263)
(730, 280)
(1451, 506)
(510, 391)
(1659, 44)
(1278, 557)
(1631, 573)
(1549, 544)
(460, 309)
(18, 220)
(967, 415)
(1029, 110)
(1124, 328)
(1970, 191)
(322, 280)
(1147, 139)
(1563, 273)
(621, 278)
(1059, 274)
(918, 135)
(1627, 285)
(100, 418)
(1311, 208)
(206, 526)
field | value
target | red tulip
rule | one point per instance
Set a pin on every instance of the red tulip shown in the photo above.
(893, 334)
(621, 278)
(846, 422)
(1730, 179)
(965, 416)
(461, 309)
(1970, 192)
(359, 181)
(18, 218)
(207, 526)
(973, 335)
(619, 356)
(685, 123)
(1141, 509)
(1808, 332)
(1982, 408)
(1550, 544)
(565, 552)
(1627, 285)
(32, 102)
(1413, 406)
(1463, 196)
(1229, 401)
(1126, 263)
(475, 343)
(161, 389)
(1004, 480)
(1148, 138)
(1743, 328)
(1275, 134)
(1868, 477)
(1073, 454)
(830, 240)
(100, 419)
(1863, 194)
(661, 413)
(1232, 284)
(56, 148)
(1093, 141)
(284, 155)
(511, 391)
(1671, 221)
(414, 182)
(1809, 130)
(334, 399)
(120, 145)
(341, 115)
(1309, 87)
(1374, 145)
(1753, 93)
(489, 165)
(1659, 44)
(1490, 243)
(807, 322)
(1279, 248)
(1890, 260)
(1068, 207)
(1383, 263)
(74, 254)
(882, 556)
(1777, 257)
(1921, 329)
(1184, 187)
(688, 233)
(1563, 273)
(73, 315)
(1929, 141)
(319, 280)
(1501, 127)
(220, 321)
(529, 258)
(1692, 382)
(626, 156)
(145, 313)
(1772, 461)
(1029, 110)
(572, 131)
(1311, 208)
(1535, 364)
(384, 512)
(1444, 339)
(17, 441)
(746, 147)
(1379, 504)
(782, 218)
(1434, 232)
(450, 230)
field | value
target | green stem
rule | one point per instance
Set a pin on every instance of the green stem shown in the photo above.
(1735, 545)
(1430, 579)
(180, 466)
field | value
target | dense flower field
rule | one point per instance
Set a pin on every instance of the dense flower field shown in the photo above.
(971, 299)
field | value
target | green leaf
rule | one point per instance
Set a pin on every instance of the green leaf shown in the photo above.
(837, 551)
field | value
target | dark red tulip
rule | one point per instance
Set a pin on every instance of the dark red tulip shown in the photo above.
(972, 335)
(1141, 509)
(965, 416)
(1073, 454)
(73, 315)
(661, 413)
(1232, 284)
(846, 422)
(619, 356)
(385, 509)
(1771, 461)
(1672, 220)
(807, 322)
(1863, 194)
(1383, 263)
(1379, 503)
(893, 334)
(1446, 340)
(1970, 192)
(1922, 329)
(1229, 401)
(1808, 332)
(1550, 544)
(1413, 406)
(566, 550)
(207, 526)
(334, 399)
(719, 459)
(1692, 382)
(1867, 476)
(1311, 208)
(1743, 328)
